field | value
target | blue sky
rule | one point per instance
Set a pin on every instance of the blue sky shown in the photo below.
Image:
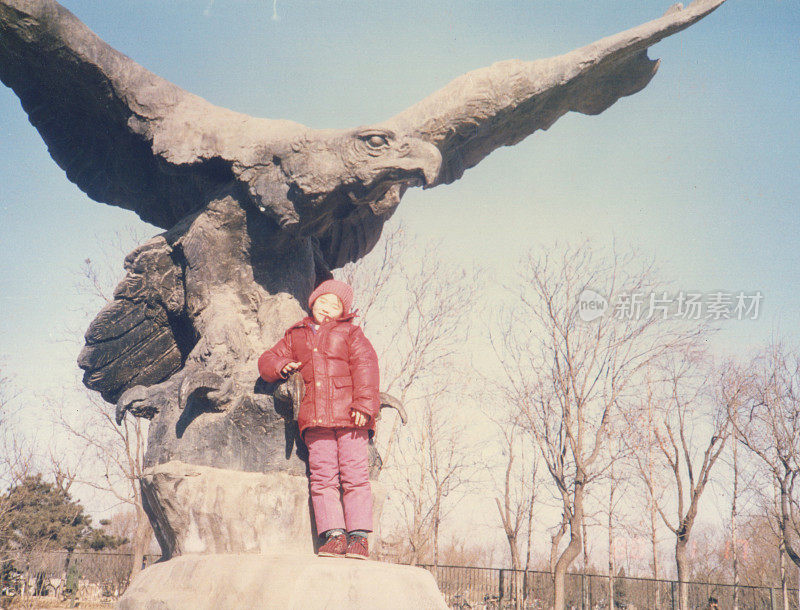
(699, 170)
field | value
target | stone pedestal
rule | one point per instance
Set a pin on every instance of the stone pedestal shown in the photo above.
(199, 509)
(237, 539)
(282, 582)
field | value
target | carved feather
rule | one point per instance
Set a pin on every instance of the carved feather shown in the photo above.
(142, 336)
(506, 102)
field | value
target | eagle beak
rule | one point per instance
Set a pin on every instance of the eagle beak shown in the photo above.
(430, 162)
(422, 160)
(425, 158)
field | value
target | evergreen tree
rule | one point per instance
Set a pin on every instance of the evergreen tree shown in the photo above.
(42, 514)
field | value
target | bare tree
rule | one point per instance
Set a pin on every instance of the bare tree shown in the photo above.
(759, 530)
(112, 461)
(617, 480)
(516, 489)
(735, 520)
(415, 310)
(769, 426)
(433, 470)
(17, 455)
(514, 480)
(641, 445)
(690, 431)
(18, 461)
(746, 477)
(7, 470)
(108, 457)
(567, 372)
(455, 550)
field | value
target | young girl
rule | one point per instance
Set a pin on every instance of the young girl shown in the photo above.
(337, 415)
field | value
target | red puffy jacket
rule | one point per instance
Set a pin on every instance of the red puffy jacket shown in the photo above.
(339, 368)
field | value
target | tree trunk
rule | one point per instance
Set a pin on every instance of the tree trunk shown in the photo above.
(562, 565)
(653, 516)
(555, 540)
(436, 519)
(654, 547)
(436, 543)
(680, 563)
(415, 537)
(734, 526)
(512, 544)
(511, 535)
(528, 550)
(530, 536)
(785, 517)
(140, 541)
(611, 566)
(586, 601)
(519, 586)
(67, 565)
(572, 551)
(798, 587)
(784, 579)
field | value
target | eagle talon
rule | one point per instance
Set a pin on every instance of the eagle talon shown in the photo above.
(221, 395)
(390, 402)
(292, 391)
(217, 388)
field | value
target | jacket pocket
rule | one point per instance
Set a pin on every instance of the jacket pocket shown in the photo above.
(341, 398)
(342, 382)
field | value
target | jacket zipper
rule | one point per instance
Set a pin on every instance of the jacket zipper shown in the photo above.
(327, 382)
(316, 341)
(310, 329)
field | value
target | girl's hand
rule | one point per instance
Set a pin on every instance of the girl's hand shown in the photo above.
(359, 419)
(292, 366)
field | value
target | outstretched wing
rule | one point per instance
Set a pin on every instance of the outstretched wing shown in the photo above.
(143, 335)
(123, 135)
(506, 102)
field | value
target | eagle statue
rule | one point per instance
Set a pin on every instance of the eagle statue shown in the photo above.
(256, 211)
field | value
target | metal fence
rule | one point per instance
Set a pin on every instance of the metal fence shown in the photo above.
(87, 576)
(105, 576)
(490, 588)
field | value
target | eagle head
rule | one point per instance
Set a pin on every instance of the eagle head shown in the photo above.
(381, 165)
(324, 174)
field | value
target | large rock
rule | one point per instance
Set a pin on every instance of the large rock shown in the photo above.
(280, 581)
(199, 509)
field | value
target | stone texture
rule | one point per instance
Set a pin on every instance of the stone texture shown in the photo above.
(197, 509)
(281, 582)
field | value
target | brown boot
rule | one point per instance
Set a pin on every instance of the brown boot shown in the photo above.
(334, 547)
(357, 548)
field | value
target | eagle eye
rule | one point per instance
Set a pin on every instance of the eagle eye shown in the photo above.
(376, 141)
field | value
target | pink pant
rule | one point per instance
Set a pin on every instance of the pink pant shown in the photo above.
(339, 455)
